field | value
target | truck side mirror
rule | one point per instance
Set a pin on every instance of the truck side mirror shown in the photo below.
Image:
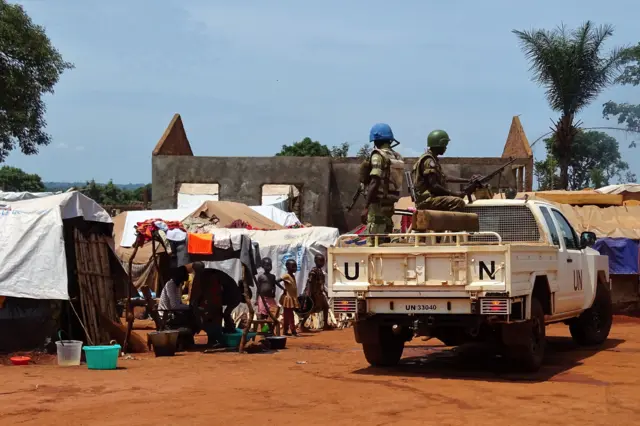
(587, 239)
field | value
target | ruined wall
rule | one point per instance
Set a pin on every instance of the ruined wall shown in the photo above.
(327, 185)
(240, 179)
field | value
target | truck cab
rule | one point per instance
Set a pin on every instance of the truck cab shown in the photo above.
(520, 267)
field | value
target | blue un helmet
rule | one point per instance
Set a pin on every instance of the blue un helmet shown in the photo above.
(381, 132)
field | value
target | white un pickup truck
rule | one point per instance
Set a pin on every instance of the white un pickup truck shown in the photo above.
(522, 267)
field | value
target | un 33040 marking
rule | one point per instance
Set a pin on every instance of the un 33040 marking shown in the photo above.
(421, 307)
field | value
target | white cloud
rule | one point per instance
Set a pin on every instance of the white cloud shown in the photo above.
(79, 148)
(61, 146)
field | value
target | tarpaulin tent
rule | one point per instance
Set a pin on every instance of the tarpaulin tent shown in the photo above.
(224, 213)
(623, 254)
(52, 249)
(32, 247)
(280, 217)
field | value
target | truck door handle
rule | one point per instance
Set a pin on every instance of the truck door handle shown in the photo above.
(569, 260)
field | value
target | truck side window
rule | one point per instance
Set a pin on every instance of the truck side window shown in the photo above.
(567, 232)
(552, 227)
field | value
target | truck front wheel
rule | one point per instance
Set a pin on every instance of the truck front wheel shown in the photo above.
(593, 325)
(387, 351)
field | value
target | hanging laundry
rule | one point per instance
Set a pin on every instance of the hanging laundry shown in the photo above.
(176, 235)
(200, 244)
(146, 229)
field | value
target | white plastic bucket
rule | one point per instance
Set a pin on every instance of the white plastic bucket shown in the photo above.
(69, 352)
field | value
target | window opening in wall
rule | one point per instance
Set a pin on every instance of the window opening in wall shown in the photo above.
(192, 195)
(285, 197)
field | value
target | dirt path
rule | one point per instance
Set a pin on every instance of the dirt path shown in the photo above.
(323, 379)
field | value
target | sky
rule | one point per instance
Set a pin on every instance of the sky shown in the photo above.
(250, 76)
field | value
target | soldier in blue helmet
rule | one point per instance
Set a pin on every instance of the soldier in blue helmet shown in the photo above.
(384, 181)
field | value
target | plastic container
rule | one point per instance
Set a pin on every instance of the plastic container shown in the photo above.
(20, 360)
(102, 357)
(165, 342)
(69, 352)
(277, 342)
(232, 340)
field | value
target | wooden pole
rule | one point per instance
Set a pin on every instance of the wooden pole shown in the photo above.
(129, 314)
(147, 294)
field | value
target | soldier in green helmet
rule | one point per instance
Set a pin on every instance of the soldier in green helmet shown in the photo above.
(386, 176)
(431, 182)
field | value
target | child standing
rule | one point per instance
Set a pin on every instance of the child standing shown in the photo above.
(289, 298)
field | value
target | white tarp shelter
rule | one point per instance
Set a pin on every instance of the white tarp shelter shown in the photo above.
(19, 196)
(32, 251)
(619, 189)
(301, 244)
(280, 217)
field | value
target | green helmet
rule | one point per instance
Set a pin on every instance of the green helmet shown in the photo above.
(438, 139)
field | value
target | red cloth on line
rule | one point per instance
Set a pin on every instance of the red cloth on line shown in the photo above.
(200, 243)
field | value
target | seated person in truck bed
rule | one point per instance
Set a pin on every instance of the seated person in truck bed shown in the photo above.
(430, 181)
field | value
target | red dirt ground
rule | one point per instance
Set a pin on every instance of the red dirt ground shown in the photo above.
(324, 379)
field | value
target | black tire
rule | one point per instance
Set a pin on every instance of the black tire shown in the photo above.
(592, 327)
(387, 351)
(529, 357)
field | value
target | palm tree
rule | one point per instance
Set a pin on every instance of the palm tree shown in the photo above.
(569, 65)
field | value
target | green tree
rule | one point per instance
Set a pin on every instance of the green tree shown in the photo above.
(627, 114)
(29, 68)
(13, 179)
(138, 193)
(93, 191)
(571, 67)
(545, 172)
(310, 148)
(340, 151)
(364, 152)
(305, 148)
(111, 193)
(595, 161)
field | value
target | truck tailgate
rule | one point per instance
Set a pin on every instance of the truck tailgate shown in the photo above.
(424, 268)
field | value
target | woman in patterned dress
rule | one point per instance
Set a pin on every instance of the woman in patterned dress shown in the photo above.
(289, 298)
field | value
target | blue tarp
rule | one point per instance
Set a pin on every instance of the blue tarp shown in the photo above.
(623, 254)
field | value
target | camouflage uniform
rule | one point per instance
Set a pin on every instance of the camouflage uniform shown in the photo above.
(388, 166)
(428, 165)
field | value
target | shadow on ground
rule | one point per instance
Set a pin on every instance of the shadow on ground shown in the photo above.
(482, 363)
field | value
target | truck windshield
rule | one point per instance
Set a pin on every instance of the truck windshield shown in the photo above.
(513, 223)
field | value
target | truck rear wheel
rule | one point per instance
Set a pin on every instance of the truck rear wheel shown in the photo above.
(387, 351)
(529, 357)
(592, 327)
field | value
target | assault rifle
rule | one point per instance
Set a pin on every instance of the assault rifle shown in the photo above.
(357, 195)
(481, 182)
(410, 186)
